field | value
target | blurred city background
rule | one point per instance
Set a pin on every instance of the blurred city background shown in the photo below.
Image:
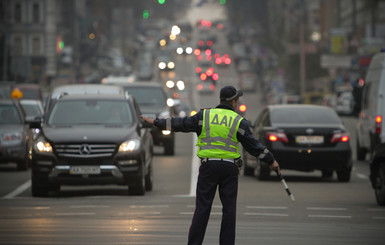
(297, 47)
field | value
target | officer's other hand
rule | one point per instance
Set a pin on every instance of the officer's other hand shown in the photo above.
(275, 166)
(148, 120)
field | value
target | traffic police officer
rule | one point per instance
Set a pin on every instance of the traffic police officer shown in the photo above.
(219, 131)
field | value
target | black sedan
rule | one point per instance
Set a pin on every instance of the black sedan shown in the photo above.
(302, 138)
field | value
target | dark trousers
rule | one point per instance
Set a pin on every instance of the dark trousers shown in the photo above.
(225, 176)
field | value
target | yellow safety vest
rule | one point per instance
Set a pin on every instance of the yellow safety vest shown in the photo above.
(218, 138)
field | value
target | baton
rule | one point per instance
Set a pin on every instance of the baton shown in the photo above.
(285, 185)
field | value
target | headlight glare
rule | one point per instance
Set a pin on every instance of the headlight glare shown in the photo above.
(130, 145)
(43, 146)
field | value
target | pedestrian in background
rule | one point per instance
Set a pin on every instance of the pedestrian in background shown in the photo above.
(219, 131)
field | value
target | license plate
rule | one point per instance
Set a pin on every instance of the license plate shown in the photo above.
(85, 170)
(302, 139)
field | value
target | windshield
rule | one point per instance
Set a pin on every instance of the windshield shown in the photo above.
(9, 115)
(148, 97)
(32, 110)
(304, 116)
(97, 112)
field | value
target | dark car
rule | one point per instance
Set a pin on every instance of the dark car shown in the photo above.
(152, 100)
(377, 173)
(92, 139)
(302, 138)
(15, 135)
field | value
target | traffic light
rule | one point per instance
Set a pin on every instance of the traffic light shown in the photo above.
(59, 44)
(161, 1)
(145, 14)
(222, 1)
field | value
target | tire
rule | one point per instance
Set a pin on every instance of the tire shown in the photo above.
(361, 152)
(247, 171)
(169, 148)
(149, 179)
(39, 187)
(379, 186)
(327, 173)
(263, 171)
(140, 186)
(24, 164)
(343, 175)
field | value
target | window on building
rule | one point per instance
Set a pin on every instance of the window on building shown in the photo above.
(36, 46)
(35, 13)
(17, 13)
(17, 47)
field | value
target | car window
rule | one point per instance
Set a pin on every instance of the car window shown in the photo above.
(32, 110)
(90, 112)
(9, 115)
(148, 97)
(308, 115)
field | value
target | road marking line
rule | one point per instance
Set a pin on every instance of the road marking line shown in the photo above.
(90, 206)
(266, 214)
(377, 217)
(376, 210)
(330, 216)
(34, 208)
(68, 214)
(149, 206)
(361, 176)
(18, 190)
(266, 207)
(326, 209)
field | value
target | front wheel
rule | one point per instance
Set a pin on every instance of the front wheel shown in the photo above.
(247, 170)
(140, 186)
(361, 152)
(263, 171)
(379, 185)
(343, 175)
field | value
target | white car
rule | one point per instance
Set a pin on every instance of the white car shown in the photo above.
(345, 103)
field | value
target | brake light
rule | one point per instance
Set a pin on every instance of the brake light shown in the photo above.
(277, 136)
(215, 76)
(340, 137)
(378, 120)
(203, 76)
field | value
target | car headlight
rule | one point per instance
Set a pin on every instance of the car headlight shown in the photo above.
(171, 65)
(43, 146)
(170, 102)
(162, 65)
(11, 138)
(164, 114)
(189, 50)
(129, 145)
(179, 50)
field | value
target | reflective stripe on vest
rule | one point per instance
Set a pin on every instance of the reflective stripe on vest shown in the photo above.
(228, 145)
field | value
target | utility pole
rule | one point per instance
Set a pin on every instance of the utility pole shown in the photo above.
(302, 68)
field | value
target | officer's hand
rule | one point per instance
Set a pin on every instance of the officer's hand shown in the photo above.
(148, 120)
(275, 166)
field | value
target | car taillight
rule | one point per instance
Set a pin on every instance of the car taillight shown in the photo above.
(378, 120)
(340, 137)
(277, 136)
(242, 108)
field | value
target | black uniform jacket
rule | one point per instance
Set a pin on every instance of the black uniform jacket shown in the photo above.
(244, 135)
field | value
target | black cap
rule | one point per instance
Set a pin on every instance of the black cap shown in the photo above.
(229, 93)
